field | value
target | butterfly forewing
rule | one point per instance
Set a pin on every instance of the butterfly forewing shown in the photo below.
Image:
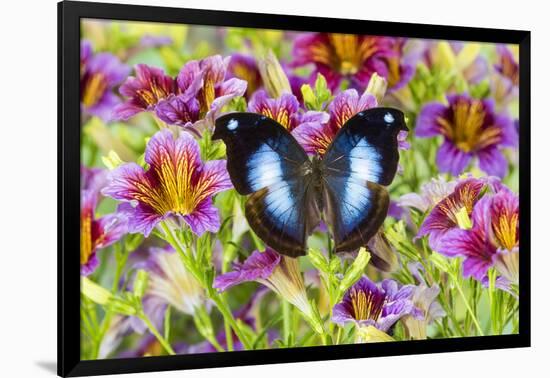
(357, 166)
(264, 160)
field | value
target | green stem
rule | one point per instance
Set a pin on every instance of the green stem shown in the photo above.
(286, 321)
(156, 333)
(223, 307)
(467, 304)
(228, 335)
(216, 297)
(338, 335)
(121, 258)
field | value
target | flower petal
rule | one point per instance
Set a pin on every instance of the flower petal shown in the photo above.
(450, 159)
(426, 123)
(204, 218)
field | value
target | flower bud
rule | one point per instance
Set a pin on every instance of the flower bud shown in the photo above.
(371, 334)
(94, 292)
(274, 78)
(112, 160)
(318, 260)
(377, 87)
(121, 306)
(355, 271)
(140, 283)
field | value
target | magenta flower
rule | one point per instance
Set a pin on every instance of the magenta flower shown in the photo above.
(144, 91)
(368, 304)
(470, 128)
(99, 74)
(353, 57)
(316, 137)
(449, 213)
(431, 193)
(505, 233)
(95, 233)
(176, 185)
(493, 239)
(245, 67)
(202, 92)
(284, 110)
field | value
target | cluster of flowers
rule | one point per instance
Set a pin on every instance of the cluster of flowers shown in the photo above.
(170, 192)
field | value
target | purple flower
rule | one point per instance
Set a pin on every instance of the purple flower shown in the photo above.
(99, 74)
(493, 239)
(316, 137)
(95, 233)
(279, 273)
(504, 232)
(284, 110)
(431, 193)
(368, 304)
(473, 244)
(245, 67)
(353, 57)
(470, 128)
(448, 213)
(92, 178)
(176, 185)
(505, 83)
(144, 91)
(202, 93)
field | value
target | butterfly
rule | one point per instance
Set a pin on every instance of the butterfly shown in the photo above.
(290, 193)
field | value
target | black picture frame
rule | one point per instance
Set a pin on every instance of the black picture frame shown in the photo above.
(69, 15)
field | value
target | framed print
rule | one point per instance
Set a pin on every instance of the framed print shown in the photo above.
(251, 188)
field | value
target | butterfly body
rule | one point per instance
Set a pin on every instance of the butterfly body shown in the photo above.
(290, 193)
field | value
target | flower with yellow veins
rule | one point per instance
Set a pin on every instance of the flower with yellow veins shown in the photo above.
(177, 185)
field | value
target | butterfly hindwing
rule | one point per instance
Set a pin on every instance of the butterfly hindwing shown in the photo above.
(357, 166)
(264, 160)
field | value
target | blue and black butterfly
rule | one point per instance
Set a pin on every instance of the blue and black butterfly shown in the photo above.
(290, 193)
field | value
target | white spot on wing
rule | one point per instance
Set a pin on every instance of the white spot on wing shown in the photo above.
(388, 117)
(233, 124)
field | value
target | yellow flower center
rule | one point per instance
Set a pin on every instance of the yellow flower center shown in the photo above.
(505, 230)
(394, 74)
(365, 306)
(243, 72)
(207, 95)
(173, 190)
(94, 89)
(153, 94)
(345, 53)
(457, 208)
(86, 247)
(466, 128)
(282, 116)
